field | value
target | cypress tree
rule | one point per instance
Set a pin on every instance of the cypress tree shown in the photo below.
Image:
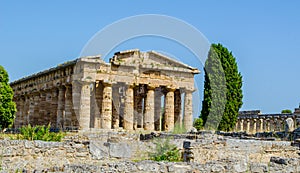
(7, 106)
(222, 90)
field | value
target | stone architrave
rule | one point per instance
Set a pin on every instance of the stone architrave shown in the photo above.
(129, 108)
(188, 110)
(169, 110)
(106, 116)
(149, 109)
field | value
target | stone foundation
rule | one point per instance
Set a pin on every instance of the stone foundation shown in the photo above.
(119, 151)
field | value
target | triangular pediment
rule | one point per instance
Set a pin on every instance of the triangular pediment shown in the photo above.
(150, 60)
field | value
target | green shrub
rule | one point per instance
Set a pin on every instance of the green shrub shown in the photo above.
(165, 151)
(286, 111)
(39, 133)
(198, 123)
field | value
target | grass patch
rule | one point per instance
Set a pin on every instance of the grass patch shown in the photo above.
(39, 133)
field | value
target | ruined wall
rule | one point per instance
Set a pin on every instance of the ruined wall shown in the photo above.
(121, 152)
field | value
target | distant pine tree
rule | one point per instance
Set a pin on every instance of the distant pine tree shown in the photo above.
(7, 106)
(219, 66)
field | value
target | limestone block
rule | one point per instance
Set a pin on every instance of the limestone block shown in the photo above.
(120, 150)
(98, 150)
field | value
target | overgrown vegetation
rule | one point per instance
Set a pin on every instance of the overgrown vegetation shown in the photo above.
(165, 151)
(7, 106)
(39, 133)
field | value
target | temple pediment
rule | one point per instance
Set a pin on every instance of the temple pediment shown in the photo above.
(150, 60)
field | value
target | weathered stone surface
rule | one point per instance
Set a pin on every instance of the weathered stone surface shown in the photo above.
(120, 150)
(258, 168)
(98, 150)
(112, 152)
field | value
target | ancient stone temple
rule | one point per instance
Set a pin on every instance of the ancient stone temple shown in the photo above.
(135, 90)
(254, 121)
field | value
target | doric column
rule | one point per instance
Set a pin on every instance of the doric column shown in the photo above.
(48, 106)
(27, 107)
(54, 104)
(129, 109)
(92, 104)
(241, 125)
(248, 125)
(177, 108)
(169, 110)
(138, 110)
(115, 107)
(36, 120)
(67, 118)
(99, 98)
(84, 109)
(254, 126)
(22, 111)
(261, 125)
(43, 106)
(106, 114)
(188, 110)
(282, 124)
(31, 109)
(157, 109)
(267, 124)
(60, 107)
(149, 109)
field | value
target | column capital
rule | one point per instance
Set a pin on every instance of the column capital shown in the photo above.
(188, 90)
(170, 89)
(106, 84)
(151, 87)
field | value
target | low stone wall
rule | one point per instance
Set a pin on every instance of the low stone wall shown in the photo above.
(121, 152)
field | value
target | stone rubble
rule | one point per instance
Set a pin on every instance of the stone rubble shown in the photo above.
(124, 152)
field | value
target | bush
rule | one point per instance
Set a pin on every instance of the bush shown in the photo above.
(39, 133)
(198, 123)
(165, 151)
(286, 111)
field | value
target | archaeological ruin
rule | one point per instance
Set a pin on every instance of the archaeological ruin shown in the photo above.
(254, 121)
(135, 90)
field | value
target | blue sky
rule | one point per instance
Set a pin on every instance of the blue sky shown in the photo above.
(264, 36)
